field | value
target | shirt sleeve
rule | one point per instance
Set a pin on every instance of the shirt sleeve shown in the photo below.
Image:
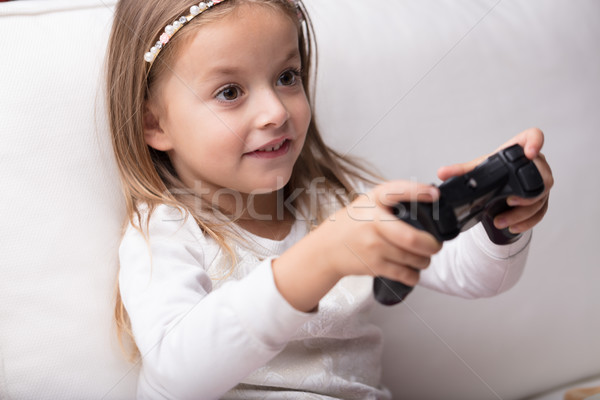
(472, 266)
(196, 342)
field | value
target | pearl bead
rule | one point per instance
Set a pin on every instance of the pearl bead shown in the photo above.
(176, 25)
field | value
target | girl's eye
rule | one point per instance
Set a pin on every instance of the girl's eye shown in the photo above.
(288, 78)
(230, 93)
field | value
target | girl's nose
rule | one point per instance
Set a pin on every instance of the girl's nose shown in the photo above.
(272, 111)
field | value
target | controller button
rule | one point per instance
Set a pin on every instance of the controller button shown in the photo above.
(472, 183)
(513, 153)
(530, 178)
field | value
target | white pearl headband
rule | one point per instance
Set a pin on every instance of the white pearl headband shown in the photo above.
(172, 28)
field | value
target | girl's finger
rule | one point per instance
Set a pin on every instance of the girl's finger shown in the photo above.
(522, 218)
(404, 257)
(546, 173)
(393, 192)
(531, 222)
(448, 171)
(532, 141)
(542, 165)
(408, 238)
(400, 273)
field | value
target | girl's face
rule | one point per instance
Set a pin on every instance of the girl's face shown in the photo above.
(231, 111)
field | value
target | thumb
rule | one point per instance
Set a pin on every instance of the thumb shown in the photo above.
(449, 171)
(391, 193)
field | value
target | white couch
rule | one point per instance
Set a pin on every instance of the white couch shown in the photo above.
(409, 84)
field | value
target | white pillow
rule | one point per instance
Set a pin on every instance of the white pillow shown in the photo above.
(61, 206)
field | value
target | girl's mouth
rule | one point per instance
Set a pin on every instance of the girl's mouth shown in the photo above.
(272, 151)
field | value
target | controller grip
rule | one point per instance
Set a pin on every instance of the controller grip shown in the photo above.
(387, 291)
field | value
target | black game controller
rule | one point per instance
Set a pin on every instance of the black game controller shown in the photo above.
(464, 200)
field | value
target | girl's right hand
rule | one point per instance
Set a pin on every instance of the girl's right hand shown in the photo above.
(364, 238)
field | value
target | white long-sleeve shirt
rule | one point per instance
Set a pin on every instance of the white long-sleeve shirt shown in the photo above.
(207, 332)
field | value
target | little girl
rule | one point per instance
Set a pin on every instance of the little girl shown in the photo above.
(246, 266)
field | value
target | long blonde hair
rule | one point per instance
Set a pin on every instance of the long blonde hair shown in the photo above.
(147, 176)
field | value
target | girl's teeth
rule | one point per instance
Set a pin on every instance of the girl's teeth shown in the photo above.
(273, 148)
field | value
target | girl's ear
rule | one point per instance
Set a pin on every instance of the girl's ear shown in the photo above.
(154, 135)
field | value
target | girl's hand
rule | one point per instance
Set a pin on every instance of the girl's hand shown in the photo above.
(364, 238)
(372, 241)
(526, 212)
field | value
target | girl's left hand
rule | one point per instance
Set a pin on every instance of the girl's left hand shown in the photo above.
(526, 212)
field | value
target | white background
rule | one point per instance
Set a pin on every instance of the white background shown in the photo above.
(413, 85)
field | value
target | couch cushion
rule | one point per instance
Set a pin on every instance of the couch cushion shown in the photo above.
(61, 206)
